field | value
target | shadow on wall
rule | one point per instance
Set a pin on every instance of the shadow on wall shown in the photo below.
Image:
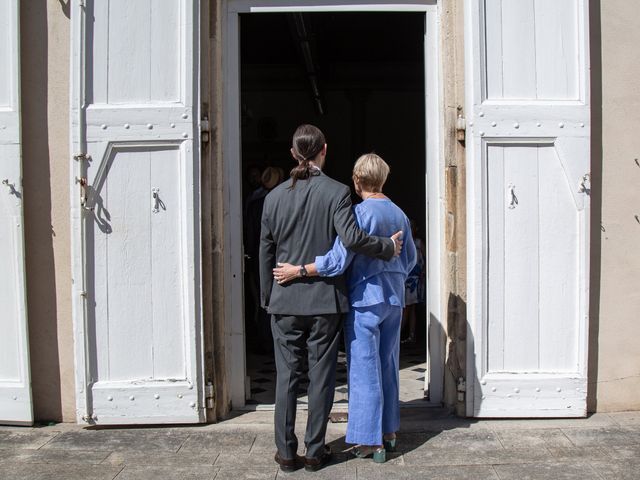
(596, 202)
(40, 266)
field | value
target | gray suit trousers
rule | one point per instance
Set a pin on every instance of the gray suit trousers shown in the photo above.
(294, 338)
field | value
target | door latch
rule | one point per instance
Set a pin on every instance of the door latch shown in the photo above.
(11, 187)
(513, 200)
(585, 184)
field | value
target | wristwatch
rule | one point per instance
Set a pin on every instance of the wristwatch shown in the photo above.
(303, 271)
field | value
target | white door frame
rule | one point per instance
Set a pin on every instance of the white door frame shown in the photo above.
(231, 144)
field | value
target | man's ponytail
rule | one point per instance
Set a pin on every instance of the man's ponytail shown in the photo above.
(308, 141)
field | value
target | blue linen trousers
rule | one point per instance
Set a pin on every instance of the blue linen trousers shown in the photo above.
(372, 337)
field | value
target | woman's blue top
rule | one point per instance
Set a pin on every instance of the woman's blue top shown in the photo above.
(372, 281)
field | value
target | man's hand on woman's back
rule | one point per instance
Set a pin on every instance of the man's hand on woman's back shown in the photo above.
(397, 243)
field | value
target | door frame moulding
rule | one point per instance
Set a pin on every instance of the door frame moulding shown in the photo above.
(235, 359)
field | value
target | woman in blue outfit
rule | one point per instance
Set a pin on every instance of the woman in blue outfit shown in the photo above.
(372, 326)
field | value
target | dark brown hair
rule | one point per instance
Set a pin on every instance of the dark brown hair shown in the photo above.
(308, 141)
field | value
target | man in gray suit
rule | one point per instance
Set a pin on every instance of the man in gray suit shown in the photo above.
(300, 221)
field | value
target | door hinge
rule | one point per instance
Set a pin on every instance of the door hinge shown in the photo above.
(461, 128)
(78, 157)
(204, 130)
(209, 394)
(462, 388)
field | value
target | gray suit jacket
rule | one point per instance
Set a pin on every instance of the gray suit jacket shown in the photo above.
(299, 224)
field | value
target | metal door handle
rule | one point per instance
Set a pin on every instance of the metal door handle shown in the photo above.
(156, 200)
(158, 204)
(513, 200)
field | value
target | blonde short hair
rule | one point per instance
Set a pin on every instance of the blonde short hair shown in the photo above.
(371, 171)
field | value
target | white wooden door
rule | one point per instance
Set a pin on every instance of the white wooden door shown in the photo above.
(528, 207)
(136, 211)
(15, 378)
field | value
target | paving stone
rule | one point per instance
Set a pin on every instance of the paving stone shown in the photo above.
(42, 471)
(451, 439)
(394, 459)
(53, 456)
(547, 471)
(25, 438)
(219, 442)
(596, 420)
(246, 473)
(258, 460)
(618, 469)
(625, 418)
(440, 456)
(550, 437)
(161, 459)
(623, 451)
(265, 443)
(148, 472)
(327, 473)
(607, 436)
(384, 472)
(132, 440)
(573, 453)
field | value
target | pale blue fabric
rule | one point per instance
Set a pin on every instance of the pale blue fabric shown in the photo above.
(372, 337)
(372, 281)
(372, 326)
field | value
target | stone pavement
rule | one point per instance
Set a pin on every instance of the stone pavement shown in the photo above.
(432, 444)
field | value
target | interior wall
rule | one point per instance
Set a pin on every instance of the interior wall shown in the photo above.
(380, 132)
(44, 36)
(371, 88)
(614, 379)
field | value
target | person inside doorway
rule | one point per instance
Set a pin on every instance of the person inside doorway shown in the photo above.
(260, 336)
(372, 326)
(415, 289)
(301, 219)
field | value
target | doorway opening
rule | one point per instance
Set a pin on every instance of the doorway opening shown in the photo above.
(360, 77)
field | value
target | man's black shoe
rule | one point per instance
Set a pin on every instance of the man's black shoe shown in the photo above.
(289, 465)
(315, 464)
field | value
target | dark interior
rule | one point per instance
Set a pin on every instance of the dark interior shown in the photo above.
(357, 76)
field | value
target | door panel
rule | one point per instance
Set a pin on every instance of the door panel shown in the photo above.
(137, 218)
(15, 379)
(533, 303)
(527, 207)
(532, 49)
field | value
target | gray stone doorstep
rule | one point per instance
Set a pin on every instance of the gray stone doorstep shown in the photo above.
(440, 447)
(130, 440)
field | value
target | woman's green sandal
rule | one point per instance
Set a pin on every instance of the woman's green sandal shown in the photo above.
(390, 445)
(379, 455)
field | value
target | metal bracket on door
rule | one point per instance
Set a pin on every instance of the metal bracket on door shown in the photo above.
(82, 181)
(585, 184)
(11, 187)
